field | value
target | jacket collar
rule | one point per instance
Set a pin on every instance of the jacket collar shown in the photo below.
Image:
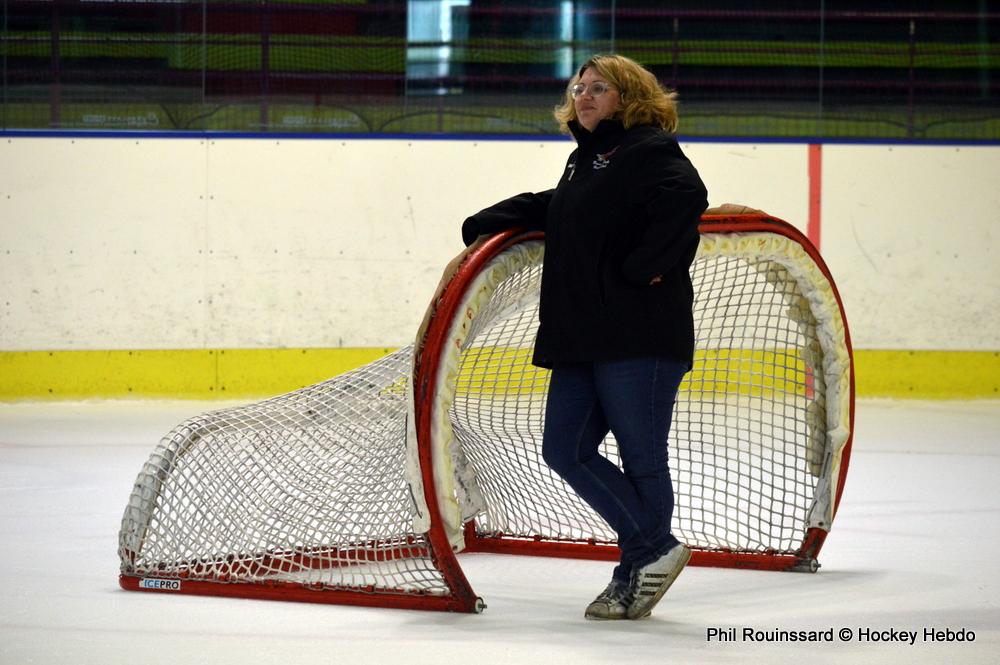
(608, 132)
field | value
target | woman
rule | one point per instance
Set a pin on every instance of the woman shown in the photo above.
(616, 324)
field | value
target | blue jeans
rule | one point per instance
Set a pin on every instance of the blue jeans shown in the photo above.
(634, 399)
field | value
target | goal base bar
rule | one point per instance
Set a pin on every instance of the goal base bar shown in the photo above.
(599, 552)
(299, 593)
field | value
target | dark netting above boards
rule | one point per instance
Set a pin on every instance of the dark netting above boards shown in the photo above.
(899, 70)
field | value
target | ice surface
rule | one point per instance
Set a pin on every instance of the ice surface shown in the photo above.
(914, 546)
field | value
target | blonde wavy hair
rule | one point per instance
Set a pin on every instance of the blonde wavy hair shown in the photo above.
(643, 100)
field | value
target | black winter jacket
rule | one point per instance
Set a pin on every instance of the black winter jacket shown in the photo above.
(625, 211)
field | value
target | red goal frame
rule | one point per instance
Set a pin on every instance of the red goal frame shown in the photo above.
(425, 385)
(427, 356)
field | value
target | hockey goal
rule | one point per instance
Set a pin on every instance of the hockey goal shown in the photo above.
(363, 488)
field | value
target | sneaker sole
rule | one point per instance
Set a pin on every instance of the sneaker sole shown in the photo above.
(624, 617)
(648, 605)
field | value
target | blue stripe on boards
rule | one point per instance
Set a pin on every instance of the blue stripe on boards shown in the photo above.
(299, 136)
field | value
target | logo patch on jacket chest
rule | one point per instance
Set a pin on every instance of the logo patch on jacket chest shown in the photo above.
(602, 160)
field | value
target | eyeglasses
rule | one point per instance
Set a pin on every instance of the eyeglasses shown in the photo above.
(596, 89)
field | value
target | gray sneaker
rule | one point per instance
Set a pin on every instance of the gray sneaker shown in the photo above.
(612, 603)
(650, 582)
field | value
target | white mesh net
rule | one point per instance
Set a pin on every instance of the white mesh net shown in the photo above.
(308, 487)
(750, 434)
(319, 487)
